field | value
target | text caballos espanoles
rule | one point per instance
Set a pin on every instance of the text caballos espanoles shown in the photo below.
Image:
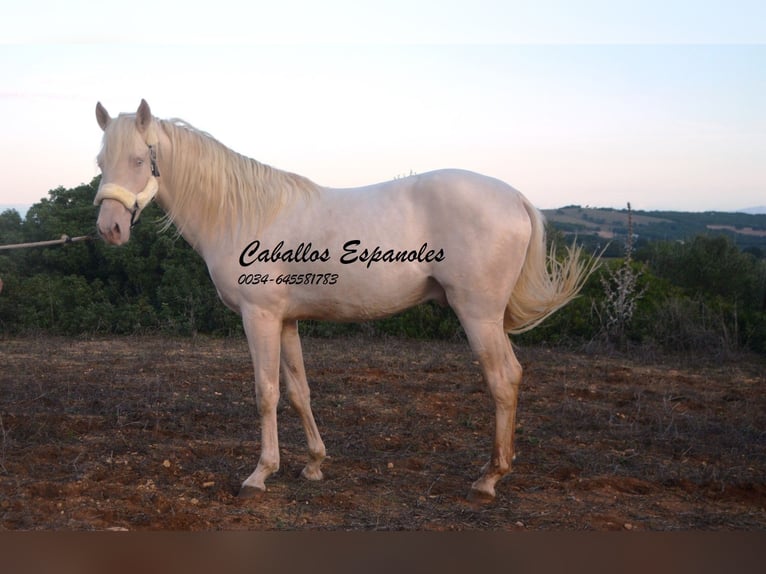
(352, 253)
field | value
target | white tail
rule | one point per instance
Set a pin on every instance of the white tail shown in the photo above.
(545, 284)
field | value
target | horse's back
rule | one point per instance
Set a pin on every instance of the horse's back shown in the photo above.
(438, 203)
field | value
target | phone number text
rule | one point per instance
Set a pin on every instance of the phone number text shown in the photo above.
(288, 279)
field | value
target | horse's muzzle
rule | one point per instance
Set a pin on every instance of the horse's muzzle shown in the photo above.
(114, 222)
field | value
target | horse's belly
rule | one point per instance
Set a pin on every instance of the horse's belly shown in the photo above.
(363, 300)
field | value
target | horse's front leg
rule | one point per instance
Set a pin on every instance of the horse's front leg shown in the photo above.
(298, 393)
(263, 337)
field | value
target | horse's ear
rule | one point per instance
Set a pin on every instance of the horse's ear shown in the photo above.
(143, 117)
(102, 116)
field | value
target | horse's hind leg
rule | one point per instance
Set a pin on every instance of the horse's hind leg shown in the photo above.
(298, 393)
(502, 373)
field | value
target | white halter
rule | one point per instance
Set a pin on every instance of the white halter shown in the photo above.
(135, 203)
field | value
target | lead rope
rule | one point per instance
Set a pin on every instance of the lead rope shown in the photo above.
(63, 240)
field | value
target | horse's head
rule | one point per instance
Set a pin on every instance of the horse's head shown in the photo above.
(128, 163)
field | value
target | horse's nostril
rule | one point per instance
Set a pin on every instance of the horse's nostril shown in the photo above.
(111, 234)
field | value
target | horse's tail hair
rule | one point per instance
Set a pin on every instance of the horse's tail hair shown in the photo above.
(545, 284)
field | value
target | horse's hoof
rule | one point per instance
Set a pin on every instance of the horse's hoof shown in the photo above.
(480, 497)
(247, 492)
(312, 475)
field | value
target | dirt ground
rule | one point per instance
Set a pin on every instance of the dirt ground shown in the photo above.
(155, 433)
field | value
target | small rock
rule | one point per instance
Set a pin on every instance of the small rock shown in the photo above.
(166, 463)
(390, 465)
(208, 484)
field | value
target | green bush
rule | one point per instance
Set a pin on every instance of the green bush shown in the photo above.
(708, 294)
(63, 304)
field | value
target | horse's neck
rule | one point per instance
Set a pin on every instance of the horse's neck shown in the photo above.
(186, 223)
(188, 218)
(254, 195)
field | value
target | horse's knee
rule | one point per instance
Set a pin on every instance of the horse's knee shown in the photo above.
(266, 399)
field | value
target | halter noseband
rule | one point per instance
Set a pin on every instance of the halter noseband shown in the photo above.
(135, 203)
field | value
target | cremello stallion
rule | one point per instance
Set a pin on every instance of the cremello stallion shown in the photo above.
(280, 248)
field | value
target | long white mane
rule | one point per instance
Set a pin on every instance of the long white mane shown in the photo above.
(222, 187)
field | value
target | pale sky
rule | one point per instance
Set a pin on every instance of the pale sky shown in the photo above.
(592, 103)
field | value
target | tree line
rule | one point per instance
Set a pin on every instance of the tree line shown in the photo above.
(702, 293)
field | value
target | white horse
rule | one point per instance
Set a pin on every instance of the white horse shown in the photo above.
(280, 249)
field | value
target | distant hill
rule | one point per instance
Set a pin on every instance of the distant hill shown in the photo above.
(754, 210)
(600, 225)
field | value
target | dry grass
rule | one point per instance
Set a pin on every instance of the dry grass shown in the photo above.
(149, 433)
